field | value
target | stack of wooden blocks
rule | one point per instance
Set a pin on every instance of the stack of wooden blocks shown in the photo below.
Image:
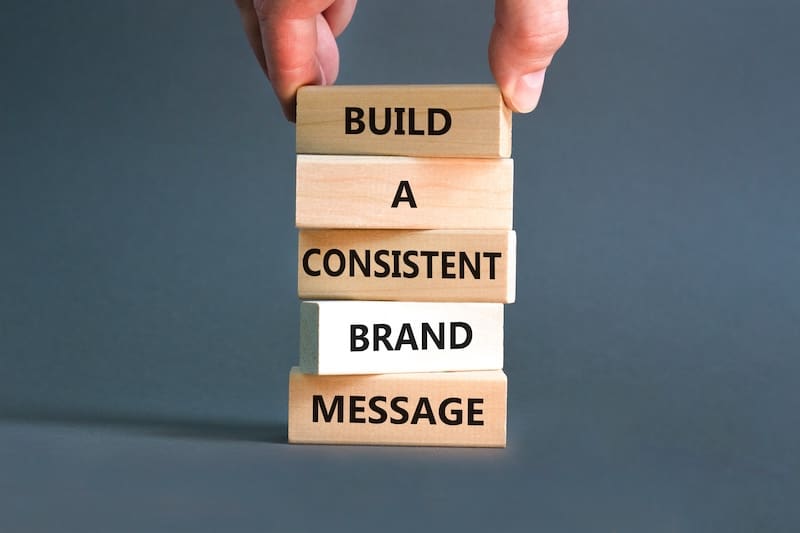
(406, 256)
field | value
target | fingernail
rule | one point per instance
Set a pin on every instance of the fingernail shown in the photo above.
(527, 92)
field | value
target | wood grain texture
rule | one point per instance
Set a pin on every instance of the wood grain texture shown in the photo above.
(427, 193)
(361, 337)
(408, 265)
(430, 409)
(480, 124)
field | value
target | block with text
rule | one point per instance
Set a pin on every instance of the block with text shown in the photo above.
(403, 192)
(417, 120)
(356, 337)
(430, 409)
(410, 265)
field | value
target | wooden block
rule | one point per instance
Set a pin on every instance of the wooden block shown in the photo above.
(403, 192)
(421, 120)
(408, 265)
(340, 337)
(432, 409)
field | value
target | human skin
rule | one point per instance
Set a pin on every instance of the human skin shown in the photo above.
(295, 43)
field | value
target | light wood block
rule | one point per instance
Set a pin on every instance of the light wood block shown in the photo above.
(433, 409)
(403, 192)
(423, 120)
(343, 337)
(408, 265)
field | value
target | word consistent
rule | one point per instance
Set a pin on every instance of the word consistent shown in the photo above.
(398, 263)
(354, 121)
(381, 406)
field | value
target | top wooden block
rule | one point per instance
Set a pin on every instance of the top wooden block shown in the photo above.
(413, 120)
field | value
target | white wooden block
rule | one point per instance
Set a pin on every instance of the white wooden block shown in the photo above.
(362, 337)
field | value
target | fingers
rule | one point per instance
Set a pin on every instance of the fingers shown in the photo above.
(525, 37)
(327, 52)
(295, 42)
(289, 40)
(339, 14)
(251, 29)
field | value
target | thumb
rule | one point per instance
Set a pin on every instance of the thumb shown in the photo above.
(525, 37)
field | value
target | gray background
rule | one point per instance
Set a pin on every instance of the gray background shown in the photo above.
(148, 315)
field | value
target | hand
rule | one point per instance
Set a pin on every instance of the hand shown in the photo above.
(295, 42)
(526, 36)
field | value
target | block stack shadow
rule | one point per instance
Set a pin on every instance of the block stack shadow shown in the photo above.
(406, 255)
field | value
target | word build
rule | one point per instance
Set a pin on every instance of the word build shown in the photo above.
(421, 120)
(434, 408)
(393, 122)
(361, 337)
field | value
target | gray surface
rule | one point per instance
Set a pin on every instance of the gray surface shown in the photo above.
(148, 315)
